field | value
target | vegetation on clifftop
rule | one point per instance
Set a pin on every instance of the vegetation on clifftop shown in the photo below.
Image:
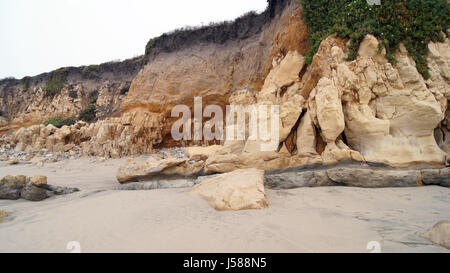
(414, 23)
(243, 27)
(25, 83)
(56, 83)
(89, 69)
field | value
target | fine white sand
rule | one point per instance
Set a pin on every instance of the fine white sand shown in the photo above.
(102, 219)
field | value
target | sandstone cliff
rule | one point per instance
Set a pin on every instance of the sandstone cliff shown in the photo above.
(24, 102)
(364, 110)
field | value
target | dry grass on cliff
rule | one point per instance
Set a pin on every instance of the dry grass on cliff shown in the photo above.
(243, 27)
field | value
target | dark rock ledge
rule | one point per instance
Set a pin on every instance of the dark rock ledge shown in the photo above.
(16, 187)
(345, 173)
(352, 174)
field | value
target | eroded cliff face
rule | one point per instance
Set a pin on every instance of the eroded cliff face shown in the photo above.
(364, 110)
(214, 71)
(24, 103)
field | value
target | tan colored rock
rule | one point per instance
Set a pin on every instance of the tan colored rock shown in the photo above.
(202, 153)
(63, 132)
(281, 88)
(131, 171)
(388, 113)
(306, 137)
(234, 146)
(222, 164)
(397, 125)
(322, 64)
(242, 97)
(39, 180)
(68, 147)
(238, 190)
(330, 116)
(14, 161)
(214, 70)
(335, 152)
(286, 73)
(439, 234)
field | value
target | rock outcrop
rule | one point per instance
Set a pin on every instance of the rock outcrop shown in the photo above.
(439, 234)
(217, 69)
(156, 185)
(238, 190)
(365, 110)
(32, 189)
(104, 85)
(353, 174)
(394, 120)
(132, 171)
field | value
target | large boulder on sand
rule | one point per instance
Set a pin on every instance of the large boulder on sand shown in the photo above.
(32, 192)
(238, 190)
(11, 186)
(32, 189)
(439, 234)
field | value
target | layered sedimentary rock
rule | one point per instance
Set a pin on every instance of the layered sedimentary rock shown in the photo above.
(132, 171)
(216, 70)
(212, 62)
(25, 102)
(355, 175)
(366, 110)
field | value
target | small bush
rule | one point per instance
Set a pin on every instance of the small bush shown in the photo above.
(89, 69)
(56, 83)
(150, 47)
(414, 23)
(93, 97)
(7, 79)
(25, 83)
(57, 122)
(88, 114)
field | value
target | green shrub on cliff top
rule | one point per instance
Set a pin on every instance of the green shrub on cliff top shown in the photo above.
(412, 22)
(56, 82)
(89, 69)
(25, 83)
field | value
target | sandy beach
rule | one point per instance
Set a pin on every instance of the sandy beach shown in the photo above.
(103, 219)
